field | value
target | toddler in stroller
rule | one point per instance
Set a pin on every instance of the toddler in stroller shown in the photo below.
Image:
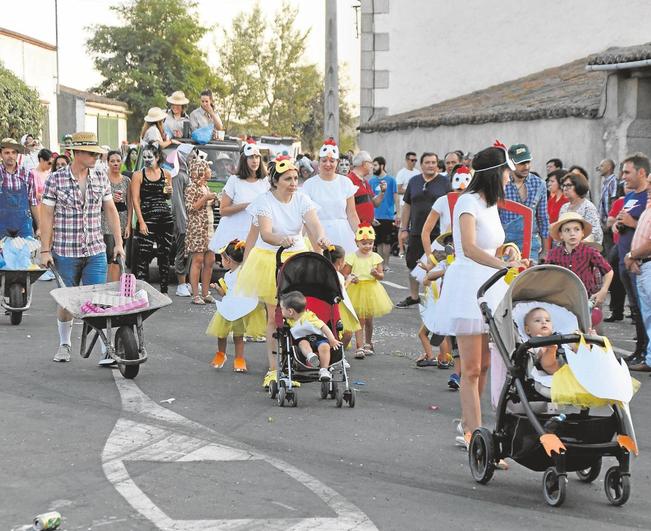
(309, 332)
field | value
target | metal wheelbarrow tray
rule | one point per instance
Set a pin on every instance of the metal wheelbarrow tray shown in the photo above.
(128, 352)
(16, 290)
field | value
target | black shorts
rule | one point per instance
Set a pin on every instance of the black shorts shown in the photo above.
(109, 241)
(414, 251)
(314, 340)
(385, 232)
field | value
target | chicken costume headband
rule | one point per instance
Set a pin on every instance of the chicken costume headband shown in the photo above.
(329, 149)
(365, 232)
(250, 148)
(461, 178)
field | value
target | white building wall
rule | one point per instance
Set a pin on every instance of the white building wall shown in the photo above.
(438, 49)
(36, 66)
(573, 140)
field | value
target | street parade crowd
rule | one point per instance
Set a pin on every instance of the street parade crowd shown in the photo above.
(444, 215)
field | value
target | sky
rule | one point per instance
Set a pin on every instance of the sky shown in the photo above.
(76, 70)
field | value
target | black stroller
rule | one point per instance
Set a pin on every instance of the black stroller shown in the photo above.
(315, 277)
(526, 430)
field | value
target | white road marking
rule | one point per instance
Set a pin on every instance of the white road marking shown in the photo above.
(392, 285)
(622, 352)
(162, 435)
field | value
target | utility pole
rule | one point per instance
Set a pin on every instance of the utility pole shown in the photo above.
(56, 38)
(331, 95)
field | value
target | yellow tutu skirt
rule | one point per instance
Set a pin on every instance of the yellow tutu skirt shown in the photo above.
(350, 321)
(253, 324)
(257, 277)
(369, 299)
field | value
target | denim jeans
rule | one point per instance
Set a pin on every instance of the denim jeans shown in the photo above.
(628, 279)
(86, 270)
(643, 283)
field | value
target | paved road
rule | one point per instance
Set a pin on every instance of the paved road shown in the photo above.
(222, 455)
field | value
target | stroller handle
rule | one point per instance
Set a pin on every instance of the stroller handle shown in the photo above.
(279, 257)
(491, 281)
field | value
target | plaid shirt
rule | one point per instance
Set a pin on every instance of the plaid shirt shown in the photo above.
(77, 220)
(535, 187)
(582, 261)
(608, 193)
(14, 182)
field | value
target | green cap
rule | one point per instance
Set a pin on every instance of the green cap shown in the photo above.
(519, 153)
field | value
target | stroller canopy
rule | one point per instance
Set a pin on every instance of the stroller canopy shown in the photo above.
(543, 283)
(311, 274)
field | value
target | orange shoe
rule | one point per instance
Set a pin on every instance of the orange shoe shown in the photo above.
(239, 365)
(219, 360)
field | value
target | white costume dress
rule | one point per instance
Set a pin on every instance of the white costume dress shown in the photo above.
(237, 225)
(457, 310)
(442, 206)
(331, 196)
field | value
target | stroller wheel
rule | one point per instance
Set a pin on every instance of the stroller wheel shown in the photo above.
(281, 396)
(554, 487)
(590, 474)
(617, 486)
(351, 398)
(339, 395)
(294, 398)
(325, 389)
(273, 389)
(481, 455)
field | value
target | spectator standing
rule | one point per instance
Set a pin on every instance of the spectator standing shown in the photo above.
(617, 291)
(343, 166)
(386, 213)
(180, 183)
(419, 197)
(29, 157)
(576, 188)
(406, 173)
(176, 117)
(206, 114)
(527, 189)
(60, 162)
(129, 164)
(635, 172)
(608, 193)
(553, 165)
(365, 202)
(556, 197)
(451, 160)
(42, 171)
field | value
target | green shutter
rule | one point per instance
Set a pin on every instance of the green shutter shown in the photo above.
(107, 131)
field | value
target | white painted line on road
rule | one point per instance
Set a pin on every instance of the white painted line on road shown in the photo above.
(621, 352)
(392, 285)
(167, 440)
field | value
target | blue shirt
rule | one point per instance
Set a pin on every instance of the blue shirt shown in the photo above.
(634, 204)
(535, 188)
(387, 208)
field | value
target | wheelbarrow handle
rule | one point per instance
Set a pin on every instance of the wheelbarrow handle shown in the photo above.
(57, 276)
(123, 266)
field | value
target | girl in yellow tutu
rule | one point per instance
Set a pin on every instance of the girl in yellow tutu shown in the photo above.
(236, 315)
(346, 310)
(364, 271)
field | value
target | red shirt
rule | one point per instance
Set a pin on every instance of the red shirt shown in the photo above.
(617, 205)
(554, 206)
(582, 261)
(363, 198)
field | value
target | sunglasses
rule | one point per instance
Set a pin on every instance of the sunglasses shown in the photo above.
(412, 160)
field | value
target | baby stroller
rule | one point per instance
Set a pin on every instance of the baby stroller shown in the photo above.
(528, 430)
(316, 278)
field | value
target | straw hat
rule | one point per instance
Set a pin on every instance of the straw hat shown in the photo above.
(555, 228)
(155, 114)
(85, 142)
(178, 98)
(11, 143)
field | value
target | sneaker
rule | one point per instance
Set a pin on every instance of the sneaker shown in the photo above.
(346, 364)
(63, 354)
(48, 275)
(106, 361)
(324, 375)
(183, 290)
(459, 427)
(406, 303)
(454, 381)
(463, 440)
(313, 360)
(268, 378)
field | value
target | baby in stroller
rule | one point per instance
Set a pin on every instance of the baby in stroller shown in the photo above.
(309, 333)
(538, 323)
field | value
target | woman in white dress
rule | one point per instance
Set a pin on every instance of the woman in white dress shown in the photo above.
(478, 238)
(279, 217)
(240, 190)
(335, 195)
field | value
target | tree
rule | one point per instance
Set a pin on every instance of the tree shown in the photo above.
(20, 107)
(151, 55)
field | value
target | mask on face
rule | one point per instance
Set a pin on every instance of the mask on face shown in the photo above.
(148, 158)
(344, 168)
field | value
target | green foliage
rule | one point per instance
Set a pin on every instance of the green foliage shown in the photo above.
(153, 53)
(20, 108)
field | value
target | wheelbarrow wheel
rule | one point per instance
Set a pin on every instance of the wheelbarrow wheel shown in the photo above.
(126, 347)
(16, 300)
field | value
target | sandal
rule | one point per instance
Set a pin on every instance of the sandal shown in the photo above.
(427, 362)
(239, 365)
(360, 354)
(208, 298)
(368, 349)
(197, 300)
(219, 360)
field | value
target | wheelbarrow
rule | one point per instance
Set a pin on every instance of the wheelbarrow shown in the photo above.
(121, 332)
(16, 289)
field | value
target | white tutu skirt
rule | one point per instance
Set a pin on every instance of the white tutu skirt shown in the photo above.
(338, 231)
(230, 228)
(457, 311)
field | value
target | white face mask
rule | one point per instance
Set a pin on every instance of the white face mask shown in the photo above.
(148, 158)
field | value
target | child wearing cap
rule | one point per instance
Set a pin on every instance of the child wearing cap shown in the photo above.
(578, 256)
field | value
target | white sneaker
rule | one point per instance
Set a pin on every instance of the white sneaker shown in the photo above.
(324, 375)
(313, 361)
(346, 364)
(183, 290)
(62, 354)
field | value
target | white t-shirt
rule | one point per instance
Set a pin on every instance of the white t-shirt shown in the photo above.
(331, 196)
(403, 176)
(287, 218)
(489, 234)
(242, 191)
(442, 206)
(151, 135)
